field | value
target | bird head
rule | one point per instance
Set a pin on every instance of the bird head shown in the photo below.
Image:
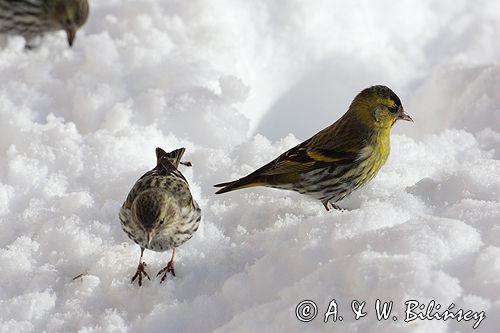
(152, 209)
(68, 15)
(379, 106)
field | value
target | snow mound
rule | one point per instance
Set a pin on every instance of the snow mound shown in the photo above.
(79, 126)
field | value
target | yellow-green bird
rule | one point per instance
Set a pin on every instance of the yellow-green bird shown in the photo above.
(339, 159)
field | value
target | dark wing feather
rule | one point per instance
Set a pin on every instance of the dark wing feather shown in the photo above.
(302, 159)
(289, 165)
(164, 168)
(337, 145)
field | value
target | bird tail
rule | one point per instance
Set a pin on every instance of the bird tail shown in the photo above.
(237, 185)
(173, 157)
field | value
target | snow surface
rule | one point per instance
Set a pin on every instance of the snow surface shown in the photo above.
(237, 83)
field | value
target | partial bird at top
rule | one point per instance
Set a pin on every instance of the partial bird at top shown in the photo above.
(34, 18)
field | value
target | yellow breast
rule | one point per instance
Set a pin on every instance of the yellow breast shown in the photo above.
(373, 156)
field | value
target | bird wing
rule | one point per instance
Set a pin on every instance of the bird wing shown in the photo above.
(336, 146)
(164, 168)
(169, 168)
(289, 166)
(319, 151)
(301, 159)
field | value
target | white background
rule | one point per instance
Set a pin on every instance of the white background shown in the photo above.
(237, 83)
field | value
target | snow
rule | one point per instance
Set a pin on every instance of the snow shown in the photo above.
(237, 83)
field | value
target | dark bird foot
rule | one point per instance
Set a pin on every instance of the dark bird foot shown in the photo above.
(166, 270)
(140, 273)
(334, 206)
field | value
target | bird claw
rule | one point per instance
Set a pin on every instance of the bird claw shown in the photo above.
(168, 269)
(334, 206)
(139, 273)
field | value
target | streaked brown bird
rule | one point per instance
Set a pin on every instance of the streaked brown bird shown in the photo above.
(339, 159)
(34, 18)
(160, 213)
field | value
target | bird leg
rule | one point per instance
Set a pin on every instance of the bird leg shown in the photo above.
(140, 270)
(334, 206)
(168, 269)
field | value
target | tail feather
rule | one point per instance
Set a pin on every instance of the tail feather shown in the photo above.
(173, 157)
(237, 185)
(224, 184)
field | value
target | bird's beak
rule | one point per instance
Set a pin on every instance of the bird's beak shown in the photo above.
(149, 236)
(71, 33)
(403, 115)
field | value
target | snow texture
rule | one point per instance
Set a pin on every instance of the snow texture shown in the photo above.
(237, 83)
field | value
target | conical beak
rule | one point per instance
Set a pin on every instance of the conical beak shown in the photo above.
(149, 236)
(71, 33)
(403, 115)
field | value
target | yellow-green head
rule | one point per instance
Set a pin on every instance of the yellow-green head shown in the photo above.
(378, 107)
(67, 15)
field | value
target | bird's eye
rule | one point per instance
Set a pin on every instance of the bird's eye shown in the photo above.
(162, 221)
(394, 108)
(68, 21)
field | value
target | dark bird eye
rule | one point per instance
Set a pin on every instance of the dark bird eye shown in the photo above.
(162, 221)
(68, 21)
(394, 108)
